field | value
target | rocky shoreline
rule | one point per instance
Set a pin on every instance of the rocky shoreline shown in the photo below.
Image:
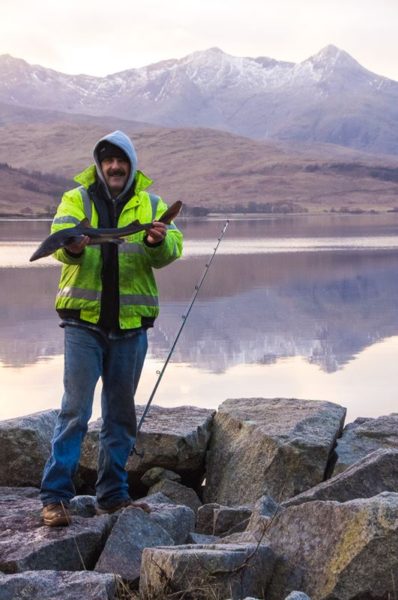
(264, 498)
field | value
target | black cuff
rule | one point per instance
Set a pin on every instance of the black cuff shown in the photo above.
(152, 245)
(73, 255)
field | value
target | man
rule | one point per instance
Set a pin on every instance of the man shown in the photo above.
(107, 299)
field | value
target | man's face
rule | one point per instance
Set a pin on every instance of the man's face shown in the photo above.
(116, 172)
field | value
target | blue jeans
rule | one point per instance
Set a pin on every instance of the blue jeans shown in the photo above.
(89, 356)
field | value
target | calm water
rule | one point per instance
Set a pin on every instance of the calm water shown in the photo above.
(301, 307)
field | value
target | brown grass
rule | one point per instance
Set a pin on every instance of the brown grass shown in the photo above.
(202, 167)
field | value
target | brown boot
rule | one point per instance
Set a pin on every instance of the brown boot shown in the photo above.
(56, 515)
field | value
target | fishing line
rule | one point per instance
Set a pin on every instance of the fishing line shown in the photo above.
(184, 318)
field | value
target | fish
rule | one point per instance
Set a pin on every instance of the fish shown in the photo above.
(67, 236)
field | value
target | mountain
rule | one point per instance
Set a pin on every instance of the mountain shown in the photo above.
(328, 98)
(205, 168)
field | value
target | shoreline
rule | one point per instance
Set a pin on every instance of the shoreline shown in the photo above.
(233, 216)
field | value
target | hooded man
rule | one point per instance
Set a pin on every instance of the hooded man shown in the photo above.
(107, 299)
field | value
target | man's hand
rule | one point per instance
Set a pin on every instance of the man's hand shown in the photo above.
(157, 233)
(78, 246)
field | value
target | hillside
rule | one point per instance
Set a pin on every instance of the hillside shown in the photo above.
(29, 194)
(202, 167)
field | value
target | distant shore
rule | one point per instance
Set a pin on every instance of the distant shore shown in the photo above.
(230, 215)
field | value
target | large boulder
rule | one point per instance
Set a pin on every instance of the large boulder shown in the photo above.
(180, 494)
(216, 520)
(228, 519)
(177, 520)
(376, 473)
(157, 474)
(278, 447)
(339, 551)
(205, 518)
(83, 506)
(364, 436)
(11, 495)
(62, 585)
(25, 444)
(203, 572)
(172, 438)
(264, 511)
(133, 531)
(25, 544)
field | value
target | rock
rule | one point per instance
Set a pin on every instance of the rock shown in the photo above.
(297, 596)
(156, 474)
(22, 492)
(364, 436)
(205, 518)
(11, 498)
(253, 521)
(15, 501)
(180, 494)
(25, 444)
(214, 571)
(171, 438)
(157, 498)
(83, 506)
(343, 551)
(241, 537)
(200, 538)
(375, 473)
(264, 511)
(279, 447)
(177, 520)
(63, 585)
(133, 531)
(25, 544)
(231, 518)
(265, 507)
(238, 528)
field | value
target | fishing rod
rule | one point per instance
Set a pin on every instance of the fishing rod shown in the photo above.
(184, 318)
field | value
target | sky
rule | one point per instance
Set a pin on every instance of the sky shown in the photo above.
(98, 38)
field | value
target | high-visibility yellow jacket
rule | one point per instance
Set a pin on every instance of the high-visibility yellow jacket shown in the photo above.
(80, 283)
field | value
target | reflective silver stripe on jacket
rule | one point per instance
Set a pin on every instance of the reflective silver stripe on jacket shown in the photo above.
(68, 219)
(139, 299)
(154, 204)
(93, 295)
(86, 202)
(80, 293)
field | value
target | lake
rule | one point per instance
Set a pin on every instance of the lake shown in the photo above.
(292, 306)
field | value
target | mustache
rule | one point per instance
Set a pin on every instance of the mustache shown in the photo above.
(120, 172)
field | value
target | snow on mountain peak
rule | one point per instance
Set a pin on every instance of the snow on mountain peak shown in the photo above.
(332, 56)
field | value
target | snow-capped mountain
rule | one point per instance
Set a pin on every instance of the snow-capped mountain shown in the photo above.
(329, 97)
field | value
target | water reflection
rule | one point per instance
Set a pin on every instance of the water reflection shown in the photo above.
(326, 307)
(264, 324)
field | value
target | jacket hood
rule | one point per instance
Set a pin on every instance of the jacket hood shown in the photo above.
(120, 139)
